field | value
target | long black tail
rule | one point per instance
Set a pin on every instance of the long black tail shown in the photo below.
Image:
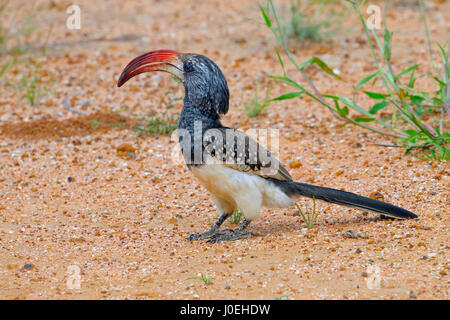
(343, 198)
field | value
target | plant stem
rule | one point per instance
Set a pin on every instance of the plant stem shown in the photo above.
(427, 33)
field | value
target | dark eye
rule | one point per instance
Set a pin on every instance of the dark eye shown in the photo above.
(188, 66)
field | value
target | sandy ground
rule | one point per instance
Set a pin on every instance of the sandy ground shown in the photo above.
(78, 204)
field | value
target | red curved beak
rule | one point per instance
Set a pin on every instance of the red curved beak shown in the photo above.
(159, 60)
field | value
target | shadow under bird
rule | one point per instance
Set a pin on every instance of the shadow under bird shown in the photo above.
(237, 171)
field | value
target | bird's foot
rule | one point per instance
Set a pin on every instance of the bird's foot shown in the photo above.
(229, 237)
(210, 234)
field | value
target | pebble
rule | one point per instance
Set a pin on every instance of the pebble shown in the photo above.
(28, 266)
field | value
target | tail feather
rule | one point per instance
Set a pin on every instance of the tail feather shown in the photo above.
(343, 198)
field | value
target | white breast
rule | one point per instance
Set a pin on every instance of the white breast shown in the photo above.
(243, 190)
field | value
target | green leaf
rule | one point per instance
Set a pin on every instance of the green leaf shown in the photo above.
(412, 80)
(322, 65)
(405, 71)
(366, 79)
(441, 83)
(286, 80)
(387, 44)
(343, 112)
(378, 106)
(354, 106)
(280, 60)
(444, 55)
(416, 100)
(364, 119)
(266, 18)
(437, 102)
(376, 95)
(286, 96)
(349, 103)
(418, 93)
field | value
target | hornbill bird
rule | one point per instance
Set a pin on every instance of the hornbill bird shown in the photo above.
(237, 171)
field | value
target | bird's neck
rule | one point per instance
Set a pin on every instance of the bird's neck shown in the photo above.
(194, 122)
(193, 117)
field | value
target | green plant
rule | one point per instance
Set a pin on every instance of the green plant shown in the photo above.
(17, 36)
(96, 123)
(31, 87)
(236, 217)
(12, 61)
(15, 41)
(33, 84)
(153, 124)
(309, 217)
(201, 277)
(257, 106)
(311, 20)
(404, 106)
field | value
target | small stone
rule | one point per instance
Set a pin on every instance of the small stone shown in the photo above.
(156, 178)
(364, 274)
(125, 147)
(295, 164)
(354, 235)
(358, 251)
(376, 196)
(70, 179)
(28, 266)
(412, 296)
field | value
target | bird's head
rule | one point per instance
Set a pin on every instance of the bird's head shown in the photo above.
(204, 83)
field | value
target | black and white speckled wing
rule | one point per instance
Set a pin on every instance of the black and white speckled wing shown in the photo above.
(234, 149)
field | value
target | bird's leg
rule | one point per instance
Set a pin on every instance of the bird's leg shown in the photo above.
(237, 234)
(214, 229)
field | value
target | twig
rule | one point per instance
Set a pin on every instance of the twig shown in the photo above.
(399, 146)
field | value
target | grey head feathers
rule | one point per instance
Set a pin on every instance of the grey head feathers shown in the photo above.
(205, 85)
